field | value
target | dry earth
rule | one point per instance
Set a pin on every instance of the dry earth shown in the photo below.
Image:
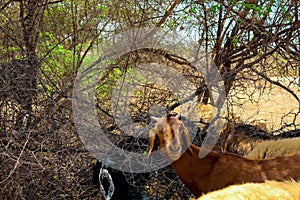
(275, 107)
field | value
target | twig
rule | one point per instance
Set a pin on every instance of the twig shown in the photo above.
(18, 160)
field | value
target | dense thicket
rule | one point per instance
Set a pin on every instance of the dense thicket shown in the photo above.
(254, 44)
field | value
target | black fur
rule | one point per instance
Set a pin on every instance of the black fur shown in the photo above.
(123, 190)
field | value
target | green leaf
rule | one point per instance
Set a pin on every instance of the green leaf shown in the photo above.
(235, 41)
(193, 10)
(215, 8)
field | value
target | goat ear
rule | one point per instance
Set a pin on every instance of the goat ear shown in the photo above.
(152, 137)
(187, 140)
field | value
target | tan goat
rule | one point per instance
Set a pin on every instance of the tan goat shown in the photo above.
(276, 148)
(270, 190)
(217, 170)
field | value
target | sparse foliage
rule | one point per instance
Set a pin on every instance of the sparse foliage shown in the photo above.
(254, 43)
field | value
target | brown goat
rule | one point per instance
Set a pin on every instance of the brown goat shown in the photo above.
(216, 170)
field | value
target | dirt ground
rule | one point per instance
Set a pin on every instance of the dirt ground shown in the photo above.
(275, 107)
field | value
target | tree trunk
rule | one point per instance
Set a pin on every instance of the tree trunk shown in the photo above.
(31, 14)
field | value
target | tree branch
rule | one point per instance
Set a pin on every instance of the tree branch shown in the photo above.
(168, 13)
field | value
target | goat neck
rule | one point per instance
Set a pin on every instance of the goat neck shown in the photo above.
(217, 170)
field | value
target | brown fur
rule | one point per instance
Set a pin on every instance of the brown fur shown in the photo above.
(217, 170)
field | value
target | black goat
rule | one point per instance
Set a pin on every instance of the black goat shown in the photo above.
(115, 184)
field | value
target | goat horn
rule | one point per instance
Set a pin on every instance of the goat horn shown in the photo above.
(155, 119)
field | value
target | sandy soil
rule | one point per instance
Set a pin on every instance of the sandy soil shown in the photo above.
(275, 107)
